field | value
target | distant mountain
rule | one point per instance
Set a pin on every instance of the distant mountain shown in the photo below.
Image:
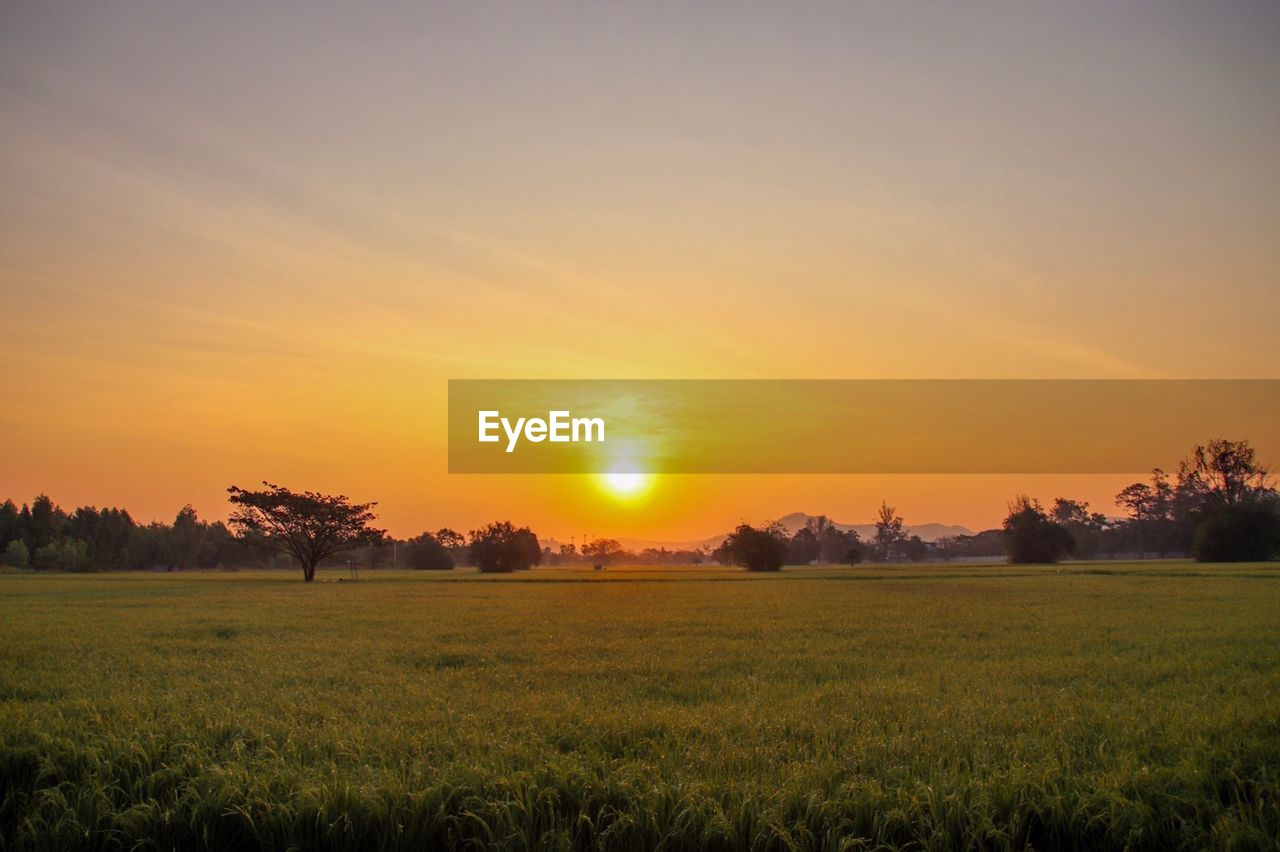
(928, 532)
(792, 523)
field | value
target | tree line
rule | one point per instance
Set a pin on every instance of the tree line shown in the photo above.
(1222, 505)
(42, 536)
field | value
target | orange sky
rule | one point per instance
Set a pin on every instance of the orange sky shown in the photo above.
(245, 243)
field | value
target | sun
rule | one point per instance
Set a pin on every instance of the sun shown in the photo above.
(625, 481)
(625, 484)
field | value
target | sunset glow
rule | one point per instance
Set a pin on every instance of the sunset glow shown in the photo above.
(222, 271)
(624, 483)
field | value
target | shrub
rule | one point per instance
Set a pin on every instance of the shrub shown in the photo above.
(68, 554)
(1242, 532)
(16, 555)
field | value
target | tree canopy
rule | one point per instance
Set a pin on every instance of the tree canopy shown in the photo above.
(1032, 536)
(307, 525)
(427, 553)
(501, 547)
(754, 549)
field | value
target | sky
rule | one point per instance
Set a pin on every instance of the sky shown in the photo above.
(246, 242)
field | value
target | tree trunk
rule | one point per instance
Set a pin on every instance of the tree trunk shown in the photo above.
(308, 573)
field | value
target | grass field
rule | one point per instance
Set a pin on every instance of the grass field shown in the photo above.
(1088, 706)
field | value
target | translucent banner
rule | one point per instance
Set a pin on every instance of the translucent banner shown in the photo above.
(850, 426)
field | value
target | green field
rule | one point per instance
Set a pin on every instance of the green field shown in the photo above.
(1086, 706)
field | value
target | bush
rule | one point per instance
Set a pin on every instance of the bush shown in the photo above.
(68, 554)
(16, 555)
(1244, 532)
(753, 549)
(1031, 536)
(424, 553)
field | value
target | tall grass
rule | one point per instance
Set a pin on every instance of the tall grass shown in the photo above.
(992, 708)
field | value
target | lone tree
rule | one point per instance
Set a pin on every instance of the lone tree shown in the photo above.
(306, 525)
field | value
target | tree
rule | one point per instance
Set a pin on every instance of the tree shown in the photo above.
(10, 530)
(1070, 511)
(1241, 532)
(1030, 535)
(449, 539)
(65, 554)
(818, 525)
(43, 523)
(16, 555)
(1084, 526)
(754, 549)
(306, 525)
(186, 538)
(109, 541)
(1160, 516)
(532, 549)
(915, 549)
(1225, 506)
(1225, 473)
(602, 550)
(501, 547)
(427, 553)
(803, 548)
(838, 546)
(1139, 499)
(889, 531)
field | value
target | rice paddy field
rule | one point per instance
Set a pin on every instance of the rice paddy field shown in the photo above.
(1097, 706)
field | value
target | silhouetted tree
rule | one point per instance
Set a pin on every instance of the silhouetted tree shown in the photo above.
(306, 525)
(1239, 532)
(427, 553)
(1139, 500)
(835, 544)
(501, 547)
(1235, 506)
(754, 549)
(1224, 473)
(9, 528)
(1218, 510)
(1030, 535)
(1084, 526)
(43, 523)
(602, 550)
(889, 531)
(803, 548)
(818, 525)
(187, 538)
(450, 539)
(915, 549)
